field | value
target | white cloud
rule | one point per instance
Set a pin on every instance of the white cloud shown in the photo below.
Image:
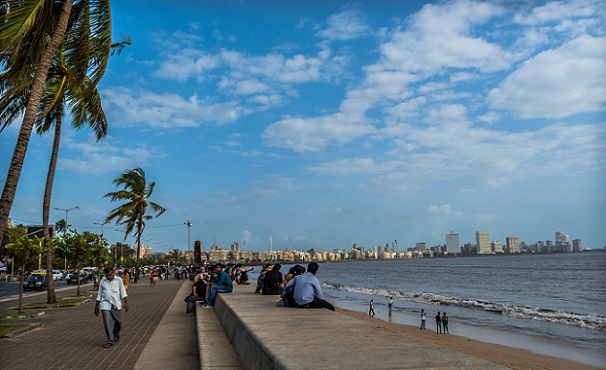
(557, 83)
(127, 108)
(347, 25)
(99, 158)
(443, 210)
(313, 134)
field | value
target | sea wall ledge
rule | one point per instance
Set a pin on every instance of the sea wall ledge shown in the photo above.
(265, 337)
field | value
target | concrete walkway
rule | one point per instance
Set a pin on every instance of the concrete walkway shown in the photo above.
(156, 334)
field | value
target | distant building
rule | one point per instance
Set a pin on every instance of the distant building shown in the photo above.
(562, 242)
(421, 247)
(483, 242)
(513, 245)
(453, 243)
(577, 245)
(496, 246)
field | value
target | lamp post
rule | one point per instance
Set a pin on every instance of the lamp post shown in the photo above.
(66, 210)
(102, 224)
(188, 240)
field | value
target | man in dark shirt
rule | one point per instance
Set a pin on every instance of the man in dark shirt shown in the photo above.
(272, 284)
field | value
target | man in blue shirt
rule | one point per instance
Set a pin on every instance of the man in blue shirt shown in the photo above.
(223, 285)
(308, 293)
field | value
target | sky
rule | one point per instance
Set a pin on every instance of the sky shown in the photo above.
(320, 124)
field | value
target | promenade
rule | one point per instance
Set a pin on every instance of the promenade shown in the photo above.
(73, 337)
(245, 330)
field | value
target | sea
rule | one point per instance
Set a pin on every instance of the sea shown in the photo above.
(552, 304)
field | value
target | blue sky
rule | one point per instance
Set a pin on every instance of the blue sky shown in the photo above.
(329, 123)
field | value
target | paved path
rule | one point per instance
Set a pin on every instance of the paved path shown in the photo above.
(73, 337)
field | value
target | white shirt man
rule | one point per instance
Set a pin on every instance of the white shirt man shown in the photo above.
(109, 302)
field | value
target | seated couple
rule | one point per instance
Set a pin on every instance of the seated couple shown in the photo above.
(206, 291)
(306, 290)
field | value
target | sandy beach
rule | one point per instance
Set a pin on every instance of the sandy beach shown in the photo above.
(513, 358)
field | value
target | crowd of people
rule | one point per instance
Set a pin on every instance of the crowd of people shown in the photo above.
(299, 288)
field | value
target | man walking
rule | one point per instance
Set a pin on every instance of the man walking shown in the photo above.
(109, 301)
(307, 290)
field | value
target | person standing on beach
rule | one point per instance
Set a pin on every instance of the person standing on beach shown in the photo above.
(307, 290)
(445, 323)
(110, 295)
(390, 303)
(423, 319)
(371, 308)
(438, 323)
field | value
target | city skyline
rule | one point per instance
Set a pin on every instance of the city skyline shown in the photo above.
(332, 123)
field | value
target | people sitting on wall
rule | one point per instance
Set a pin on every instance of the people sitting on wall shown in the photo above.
(288, 299)
(222, 285)
(272, 283)
(307, 290)
(261, 277)
(198, 293)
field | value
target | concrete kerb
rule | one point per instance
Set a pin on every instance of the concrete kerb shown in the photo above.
(268, 337)
(215, 350)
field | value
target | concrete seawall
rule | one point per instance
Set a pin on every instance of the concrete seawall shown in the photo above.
(265, 337)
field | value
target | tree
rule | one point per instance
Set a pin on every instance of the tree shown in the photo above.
(132, 213)
(24, 249)
(79, 247)
(26, 27)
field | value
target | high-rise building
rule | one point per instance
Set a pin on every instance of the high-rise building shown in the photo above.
(453, 243)
(577, 245)
(513, 245)
(421, 247)
(561, 238)
(496, 246)
(483, 242)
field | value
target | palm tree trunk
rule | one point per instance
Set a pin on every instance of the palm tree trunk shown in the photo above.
(50, 178)
(14, 172)
(139, 226)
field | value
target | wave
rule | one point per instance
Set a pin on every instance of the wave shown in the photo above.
(589, 321)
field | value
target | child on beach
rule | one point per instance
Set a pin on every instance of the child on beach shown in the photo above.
(423, 319)
(371, 308)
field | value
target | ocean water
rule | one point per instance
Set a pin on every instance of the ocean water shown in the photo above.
(550, 304)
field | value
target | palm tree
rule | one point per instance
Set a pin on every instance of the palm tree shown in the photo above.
(132, 213)
(26, 28)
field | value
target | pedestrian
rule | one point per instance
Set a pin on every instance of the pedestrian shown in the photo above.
(110, 296)
(438, 323)
(423, 319)
(390, 303)
(371, 308)
(445, 323)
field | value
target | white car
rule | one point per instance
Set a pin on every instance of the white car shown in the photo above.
(57, 275)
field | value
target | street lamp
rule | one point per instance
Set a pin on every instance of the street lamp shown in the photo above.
(66, 210)
(102, 224)
(188, 240)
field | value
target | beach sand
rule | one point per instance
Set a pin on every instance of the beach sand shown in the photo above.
(513, 358)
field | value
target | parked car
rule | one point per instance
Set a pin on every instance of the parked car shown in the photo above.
(75, 276)
(57, 275)
(35, 282)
